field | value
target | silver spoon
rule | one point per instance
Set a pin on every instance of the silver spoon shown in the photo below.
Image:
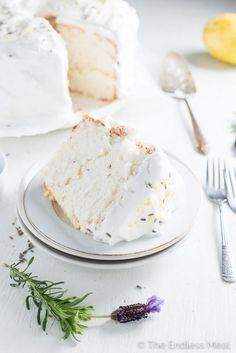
(176, 79)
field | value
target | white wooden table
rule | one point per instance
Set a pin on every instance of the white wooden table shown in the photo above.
(200, 309)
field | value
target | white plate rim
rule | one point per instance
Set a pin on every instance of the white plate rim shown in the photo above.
(96, 264)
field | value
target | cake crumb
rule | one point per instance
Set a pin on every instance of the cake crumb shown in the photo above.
(147, 149)
(119, 131)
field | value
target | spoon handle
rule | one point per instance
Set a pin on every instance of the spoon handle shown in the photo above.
(201, 144)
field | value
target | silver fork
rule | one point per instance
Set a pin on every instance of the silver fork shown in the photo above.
(216, 192)
(230, 182)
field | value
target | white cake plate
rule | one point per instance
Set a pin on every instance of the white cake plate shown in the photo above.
(50, 227)
(95, 264)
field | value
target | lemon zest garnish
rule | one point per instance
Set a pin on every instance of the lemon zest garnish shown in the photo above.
(147, 202)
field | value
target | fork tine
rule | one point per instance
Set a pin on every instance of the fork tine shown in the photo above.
(228, 182)
(216, 174)
(209, 173)
(233, 180)
(221, 166)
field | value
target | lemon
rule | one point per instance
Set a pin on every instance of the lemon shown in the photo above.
(219, 36)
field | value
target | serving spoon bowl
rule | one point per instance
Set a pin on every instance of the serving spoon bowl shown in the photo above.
(176, 80)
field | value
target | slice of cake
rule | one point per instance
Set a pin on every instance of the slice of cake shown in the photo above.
(109, 185)
(33, 70)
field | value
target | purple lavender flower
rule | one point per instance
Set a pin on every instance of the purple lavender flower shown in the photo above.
(137, 311)
(154, 304)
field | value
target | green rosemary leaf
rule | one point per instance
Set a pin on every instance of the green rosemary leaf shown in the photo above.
(82, 326)
(67, 334)
(34, 300)
(67, 300)
(59, 294)
(28, 265)
(45, 320)
(79, 300)
(39, 313)
(53, 285)
(27, 302)
(72, 303)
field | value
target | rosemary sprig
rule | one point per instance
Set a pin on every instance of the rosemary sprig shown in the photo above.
(49, 299)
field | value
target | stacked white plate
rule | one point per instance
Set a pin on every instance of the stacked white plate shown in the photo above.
(47, 227)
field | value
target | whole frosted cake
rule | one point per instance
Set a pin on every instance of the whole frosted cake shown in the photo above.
(45, 43)
(109, 185)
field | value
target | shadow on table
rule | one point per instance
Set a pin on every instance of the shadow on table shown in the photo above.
(111, 327)
(203, 60)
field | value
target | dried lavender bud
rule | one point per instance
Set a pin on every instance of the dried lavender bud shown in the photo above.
(19, 231)
(131, 312)
(22, 254)
(137, 311)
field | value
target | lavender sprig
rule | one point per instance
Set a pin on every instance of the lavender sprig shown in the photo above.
(51, 302)
(137, 311)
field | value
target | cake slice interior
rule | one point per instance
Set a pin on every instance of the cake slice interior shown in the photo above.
(90, 171)
(93, 62)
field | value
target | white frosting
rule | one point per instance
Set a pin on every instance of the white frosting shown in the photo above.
(152, 194)
(114, 15)
(12, 23)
